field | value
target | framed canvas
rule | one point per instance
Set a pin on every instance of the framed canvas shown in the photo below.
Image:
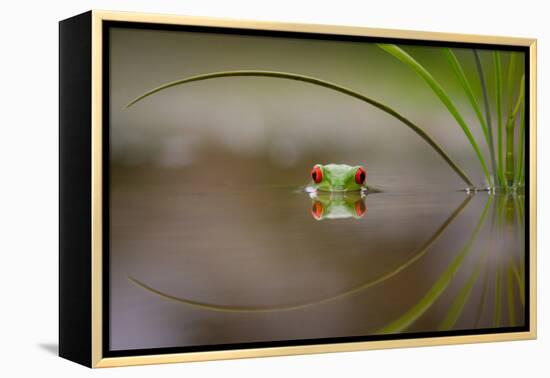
(236, 189)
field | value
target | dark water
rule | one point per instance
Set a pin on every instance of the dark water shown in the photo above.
(198, 258)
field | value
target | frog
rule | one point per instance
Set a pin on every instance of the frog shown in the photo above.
(338, 178)
(338, 191)
(338, 205)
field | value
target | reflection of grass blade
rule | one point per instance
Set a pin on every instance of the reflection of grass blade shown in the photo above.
(418, 254)
(511, 307)
(443, 96)
(498, 303)
(308, 79)
(510, 132)
(460, 301)
(498, 81)
(522, 240)
(517, 272)
(487, 114)
(483, 297)
(463, 80)
(519, 282)
(439, 286)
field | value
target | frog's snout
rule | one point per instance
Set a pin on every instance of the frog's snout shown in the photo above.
(339, 188)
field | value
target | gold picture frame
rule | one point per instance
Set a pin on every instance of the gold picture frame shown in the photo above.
(89, 329)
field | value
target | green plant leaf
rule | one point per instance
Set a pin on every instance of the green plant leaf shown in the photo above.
(510, 134)
(500, 131)
(521, 151)
(490, 138)
(465, 84)
(308, 79)
(443, 96)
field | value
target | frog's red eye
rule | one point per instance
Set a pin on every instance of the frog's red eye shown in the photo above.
(360, 208)
(360, 176)
(317, 174)
(317, 210)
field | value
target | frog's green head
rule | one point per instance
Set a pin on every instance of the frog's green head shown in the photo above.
(338, 178)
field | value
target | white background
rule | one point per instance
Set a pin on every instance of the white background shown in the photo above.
(29, 189)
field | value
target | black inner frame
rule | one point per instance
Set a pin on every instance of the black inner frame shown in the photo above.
(106, 25)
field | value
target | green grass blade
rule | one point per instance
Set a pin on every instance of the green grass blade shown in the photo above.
(465, 84)
(510, 81)
(510, 134)
(498, 81)
(489, 122)
(443, 96)
(521, 152)
(440, 285)
(308, 79)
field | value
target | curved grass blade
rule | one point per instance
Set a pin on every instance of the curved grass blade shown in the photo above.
(461, 76)
(443, 96)
(510, 132)
(510, 81)
(465, 84)
(498, 82)
(440, 285)
(308, 79)
(521, 159)
(490, 140)
(221, 308)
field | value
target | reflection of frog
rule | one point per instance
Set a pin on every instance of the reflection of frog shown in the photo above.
(338, 178)
(338, 205)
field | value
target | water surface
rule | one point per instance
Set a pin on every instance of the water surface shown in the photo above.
(201, 258)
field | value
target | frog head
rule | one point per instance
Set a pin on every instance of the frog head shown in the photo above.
(338, 178)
